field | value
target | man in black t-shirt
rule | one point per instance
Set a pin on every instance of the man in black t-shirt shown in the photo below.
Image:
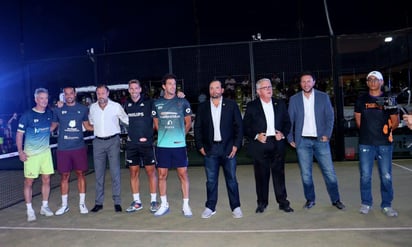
(139, 147)
(376, 123)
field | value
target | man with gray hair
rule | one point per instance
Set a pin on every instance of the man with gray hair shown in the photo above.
(36, 125)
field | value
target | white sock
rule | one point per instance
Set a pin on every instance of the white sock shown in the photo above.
(45, 204)
(136, 197)
(164, 200)
(185, 202)
(153, 197)
(82, 198)
(29, 207)
(64, 200)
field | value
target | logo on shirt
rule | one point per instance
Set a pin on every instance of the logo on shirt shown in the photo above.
(64, 112)
(72, 123)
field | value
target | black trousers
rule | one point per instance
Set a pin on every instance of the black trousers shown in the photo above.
(271, 161)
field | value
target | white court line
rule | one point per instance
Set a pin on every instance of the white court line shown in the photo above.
(210, 231)
(403, 167)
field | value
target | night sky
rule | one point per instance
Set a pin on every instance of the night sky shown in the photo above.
(67, 28)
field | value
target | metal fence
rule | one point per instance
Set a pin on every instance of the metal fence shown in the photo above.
(339, 63)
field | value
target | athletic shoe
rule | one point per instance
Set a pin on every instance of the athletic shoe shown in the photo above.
(389, 211)
(154, 206)
(62, 210)
(208, 213)
(364, 209)
(83, 209)
(46, 211)
(163, 210)
(31, 216)
(237, 213)
(134, 206)
(187, 212)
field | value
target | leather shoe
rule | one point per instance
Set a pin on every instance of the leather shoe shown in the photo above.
(338, 204)
(117, 208)
(97, 208)
(260, 209)
(309, 204)
(287, 209)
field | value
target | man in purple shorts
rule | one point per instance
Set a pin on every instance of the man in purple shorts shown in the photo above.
(71, 149)
(172, 120)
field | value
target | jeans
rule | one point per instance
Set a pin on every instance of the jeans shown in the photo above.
(308, 148)
(367, 156)
(213, 160)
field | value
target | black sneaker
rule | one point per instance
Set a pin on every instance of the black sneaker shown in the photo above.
(339, 205)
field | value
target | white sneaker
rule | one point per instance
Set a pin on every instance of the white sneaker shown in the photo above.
(46, 211)
(83, 209)
(62, 210)
(364, 209)
(187, 212)
(237, 213)
(208, 213)
(31, 216)
(163, 210)
(389, 211)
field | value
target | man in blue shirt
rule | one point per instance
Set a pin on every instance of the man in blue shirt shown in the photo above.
(71, 150)
(36, 125)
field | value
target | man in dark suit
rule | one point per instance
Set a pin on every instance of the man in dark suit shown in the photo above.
(266, 123)
(218, 134)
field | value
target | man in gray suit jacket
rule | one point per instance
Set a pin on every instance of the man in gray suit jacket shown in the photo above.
(218, 134)
(312, 118)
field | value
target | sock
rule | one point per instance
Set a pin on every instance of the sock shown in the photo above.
(29, 207)
(82, 198)
(45, 204)
(136, 198)
(64, 200)
(185, 202)
(164, 200)
(153, 197)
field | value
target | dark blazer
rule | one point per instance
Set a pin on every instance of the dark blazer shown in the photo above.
(231, 127)
(254, 122)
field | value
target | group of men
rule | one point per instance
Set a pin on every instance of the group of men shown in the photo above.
(268, 124)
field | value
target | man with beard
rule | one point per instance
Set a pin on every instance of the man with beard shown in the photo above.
(311, 115)
(218, 134)
(104, 116)
(71, 149)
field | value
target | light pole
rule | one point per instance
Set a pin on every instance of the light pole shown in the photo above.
(93, 58)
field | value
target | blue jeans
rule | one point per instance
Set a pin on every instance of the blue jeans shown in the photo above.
(367, 156)
(213, 160)
(306, 150)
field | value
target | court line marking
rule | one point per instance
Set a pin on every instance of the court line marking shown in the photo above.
(408, 228)
(403, 167)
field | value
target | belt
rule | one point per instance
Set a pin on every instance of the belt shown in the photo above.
(310, 137)
(217, 142)
(107, 137)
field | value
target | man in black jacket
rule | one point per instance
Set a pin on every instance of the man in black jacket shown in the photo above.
(219, 135)
(266, 123)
